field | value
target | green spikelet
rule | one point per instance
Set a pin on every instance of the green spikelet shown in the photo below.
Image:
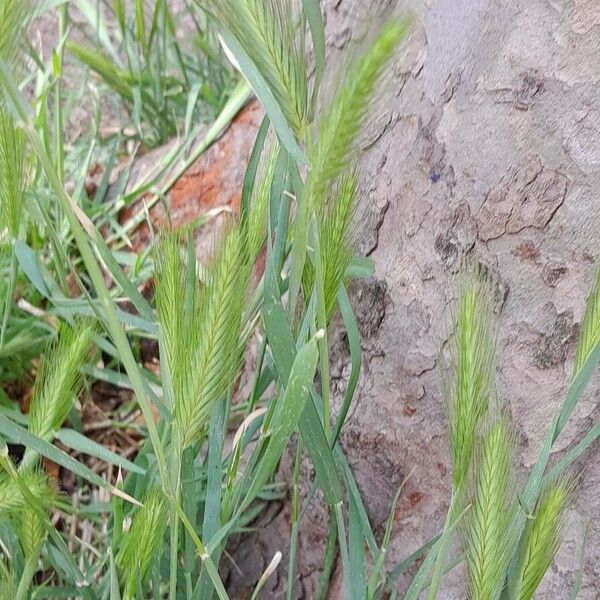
(14, 16)
(543, 535)
(487, 536)
(338, 240)
(204, 366)
(179, 328)
(473, 363)
(257, 218)
(58, 381)
(218, 354)
(590, 327)
(12, 501)
(331, 151)
(12, 171)
(144, 540)
(269, 33)
(31, 532)
(8, 582)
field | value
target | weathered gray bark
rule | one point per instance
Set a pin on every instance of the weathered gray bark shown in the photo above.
(486, 141)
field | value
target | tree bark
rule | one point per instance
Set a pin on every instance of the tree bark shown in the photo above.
(485, 140)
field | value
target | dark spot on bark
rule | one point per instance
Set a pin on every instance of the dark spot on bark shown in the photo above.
(500, 289)
(445, 246)
(371, 303)
(531, 85)
(553, 346)
(409, 411)
(527, 251)
(415, 498)
(553, 272)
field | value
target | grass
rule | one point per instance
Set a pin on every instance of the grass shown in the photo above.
(208, 431)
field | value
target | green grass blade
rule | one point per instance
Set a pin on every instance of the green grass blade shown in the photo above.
(356, 552)
(80, 443)
(355, 357)
(314, 16)
(251, 169)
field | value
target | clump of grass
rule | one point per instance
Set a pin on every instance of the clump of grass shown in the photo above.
(204, 317)
(164, 80)
(143, 542)
(273, 39)
(543, 535)
(488, 539)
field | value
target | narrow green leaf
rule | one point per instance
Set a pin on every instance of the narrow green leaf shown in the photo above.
(314, 16)
(356, 552)
(251, 169)
(80, 443)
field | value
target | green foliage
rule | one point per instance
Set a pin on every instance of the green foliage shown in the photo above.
(270, 33)
(590, 327)
(142, 543)
(472, 366)
(59, 380)
(488, 537)
(543, 535)
(165, 80)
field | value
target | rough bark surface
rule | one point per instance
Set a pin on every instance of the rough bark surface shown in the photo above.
(486, 141)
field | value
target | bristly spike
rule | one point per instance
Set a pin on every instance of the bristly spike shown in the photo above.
(470, 384)
(12, 172)
(202, 343)
(488, 541)
(543, 535)
(59, 380)
(143, 540)
(589, 335)
(14, 16)
(330, 152)
(338, 238)
(270, 33)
